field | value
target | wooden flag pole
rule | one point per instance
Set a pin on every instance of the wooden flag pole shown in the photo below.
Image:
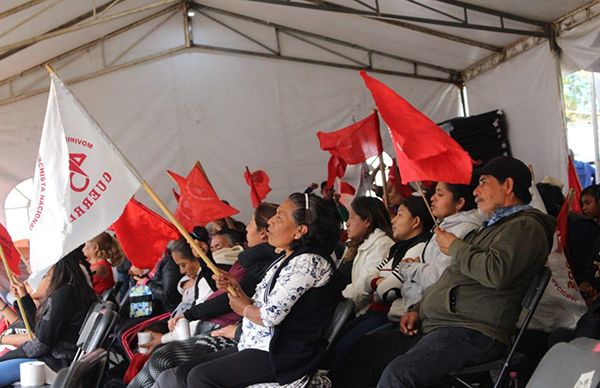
(426, 203)
(11, 279)
(384, 182)
(185, 234)
(227, 219)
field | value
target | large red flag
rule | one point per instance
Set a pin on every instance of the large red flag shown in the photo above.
(336, 168)
(575, 185)
(355, 143)
(259, 186)
(424, 150)
(198, 201)
(13, 257)
(143, 234)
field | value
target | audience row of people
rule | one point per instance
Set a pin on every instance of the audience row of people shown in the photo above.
(450, 275)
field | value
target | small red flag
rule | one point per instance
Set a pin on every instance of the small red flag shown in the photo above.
(336, 168)
(13, 257)
(424, 150)
(143, 234)
(355, 143)
(576, 186)
(259, 186)
(561, 227)
(198, 201)
(395, 179)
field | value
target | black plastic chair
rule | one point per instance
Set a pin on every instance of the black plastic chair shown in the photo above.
(530, 302)
(97, 326)
(84, 373)
(340, 316)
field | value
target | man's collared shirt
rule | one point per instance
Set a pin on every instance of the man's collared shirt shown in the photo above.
(504, 212)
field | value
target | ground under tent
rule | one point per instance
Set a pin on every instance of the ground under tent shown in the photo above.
(249, 82)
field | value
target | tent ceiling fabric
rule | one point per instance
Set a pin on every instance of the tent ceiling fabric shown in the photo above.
(376, 33)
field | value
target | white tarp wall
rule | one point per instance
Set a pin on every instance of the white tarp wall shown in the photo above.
(527, 89)
(226, 111)
(581, 47)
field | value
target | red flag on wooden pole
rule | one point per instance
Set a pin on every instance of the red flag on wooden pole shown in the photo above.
(13, 257)
(355, 143)
(336, 168)
(143, 234)
(424, 150)
(259, 185)
(575, 185)
(198, 202)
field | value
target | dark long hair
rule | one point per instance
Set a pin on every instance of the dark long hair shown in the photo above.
(263, 213)
(465, 192)
(417, 208)
(373, 210)
(323, 227)
(181, 245)
(68, 272)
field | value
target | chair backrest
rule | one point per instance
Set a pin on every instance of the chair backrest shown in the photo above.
(529, 302)
(534, 294)
(567, 365)
(96, 327)
(84, 373)
(103, 327)
(341, 314)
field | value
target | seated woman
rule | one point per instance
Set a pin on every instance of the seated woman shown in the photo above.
(216, 310)
(411, 228)
(103, 252)
(285, 321)
(56, 324)
(369, 230)
(454, 207)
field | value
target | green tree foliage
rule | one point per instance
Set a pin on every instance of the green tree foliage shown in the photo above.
(577, 95)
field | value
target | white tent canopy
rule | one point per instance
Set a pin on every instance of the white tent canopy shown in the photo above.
(249, 82)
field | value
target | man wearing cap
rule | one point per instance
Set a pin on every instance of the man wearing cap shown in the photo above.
(468, 316)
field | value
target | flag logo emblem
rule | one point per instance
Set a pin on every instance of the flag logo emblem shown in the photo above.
(78, 178)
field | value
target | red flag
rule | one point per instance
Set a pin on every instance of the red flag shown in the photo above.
(143, 234)
(336, 168)
(561, 227)
(395, 179)
(355, 143)
(576, 186)
(198, 201)
(424, 150)
(259, 186)
(13, 257)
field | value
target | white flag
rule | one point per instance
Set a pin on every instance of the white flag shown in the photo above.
(81, 181)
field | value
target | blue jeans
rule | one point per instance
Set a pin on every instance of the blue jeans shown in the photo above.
(10, 371)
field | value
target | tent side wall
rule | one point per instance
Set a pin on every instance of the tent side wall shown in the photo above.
(527, 89)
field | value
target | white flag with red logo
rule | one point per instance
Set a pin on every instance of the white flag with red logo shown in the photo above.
(81, 181)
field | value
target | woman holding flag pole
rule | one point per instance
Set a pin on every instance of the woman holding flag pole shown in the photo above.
(57, 321)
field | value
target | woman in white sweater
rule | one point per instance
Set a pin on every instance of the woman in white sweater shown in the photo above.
(454, 207)
(369, 233)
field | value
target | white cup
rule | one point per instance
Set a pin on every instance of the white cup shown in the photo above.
(143, 338)
(182, 329)
(33, 373)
